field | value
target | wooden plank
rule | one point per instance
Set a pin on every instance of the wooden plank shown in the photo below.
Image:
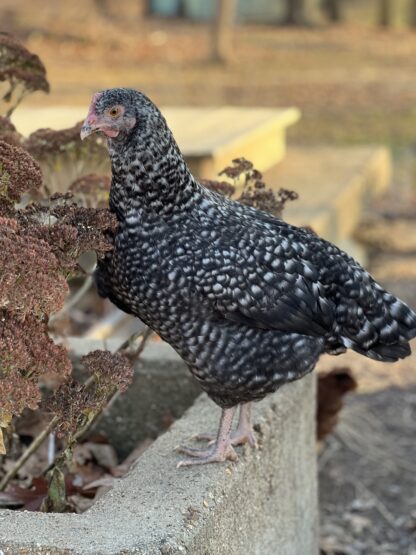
(215, 129)
(333, 184)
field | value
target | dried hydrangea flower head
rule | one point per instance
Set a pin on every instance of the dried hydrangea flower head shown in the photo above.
(64, 158)
(21, 73)
(19, 172)
(39, 248)
(27, 353)
(92, 190)
(249, 188)
(8, 132)
(76, 402)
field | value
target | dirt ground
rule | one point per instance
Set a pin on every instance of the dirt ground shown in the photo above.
(367, 470)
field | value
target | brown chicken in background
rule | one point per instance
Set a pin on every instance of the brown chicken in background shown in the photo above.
(331, 389)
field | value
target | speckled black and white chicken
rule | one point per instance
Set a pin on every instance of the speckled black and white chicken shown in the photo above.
(248, 301)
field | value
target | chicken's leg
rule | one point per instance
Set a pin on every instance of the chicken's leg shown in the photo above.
(220, 451)
(244, 432)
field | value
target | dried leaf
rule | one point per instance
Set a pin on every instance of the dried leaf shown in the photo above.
(2, 446)
(107, 480)
(5, 419)
(29, 499)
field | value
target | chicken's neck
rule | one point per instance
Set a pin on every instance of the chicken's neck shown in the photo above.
(151, 177)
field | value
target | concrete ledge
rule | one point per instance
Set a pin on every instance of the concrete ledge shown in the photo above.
(265, 504)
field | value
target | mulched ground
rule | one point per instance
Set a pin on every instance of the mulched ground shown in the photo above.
(367, 477)
(368, 468)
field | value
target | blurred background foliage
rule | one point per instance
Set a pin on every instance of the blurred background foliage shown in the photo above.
(348, 64)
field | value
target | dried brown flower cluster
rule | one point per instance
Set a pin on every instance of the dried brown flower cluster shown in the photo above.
(23, 71)
(27, 353)
(92, 190)
(64, 158)
(68, 229)
(32, 283)
(265, 199)
(8, 132)
(41, 240)
(49, 142)
(76, 403)
(31, 287)
(39, 247)
(223, 187)
(254, 191)
(110, 370)
(19, 172)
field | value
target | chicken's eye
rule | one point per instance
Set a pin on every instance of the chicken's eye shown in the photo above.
(114, 112)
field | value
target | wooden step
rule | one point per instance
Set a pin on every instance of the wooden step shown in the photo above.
(334, 186)
(208, 137)
(211, 137)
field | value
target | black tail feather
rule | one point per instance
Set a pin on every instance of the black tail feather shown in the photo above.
(391, 332)
(388, 353)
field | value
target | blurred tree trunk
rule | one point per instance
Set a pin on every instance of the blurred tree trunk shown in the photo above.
(144, 8)
(103, 8)
(333, 10)
(386, 13)
(294, 12)
(412, 13)
(222, 30)
(301, 12)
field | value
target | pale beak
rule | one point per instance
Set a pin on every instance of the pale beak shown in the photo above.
(91, 123)
(89, 126)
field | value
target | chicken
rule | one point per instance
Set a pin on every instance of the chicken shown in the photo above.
(248, 301)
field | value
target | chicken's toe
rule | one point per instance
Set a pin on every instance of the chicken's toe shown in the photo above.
(217, 453)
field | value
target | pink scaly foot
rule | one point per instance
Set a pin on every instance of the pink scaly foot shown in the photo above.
(221, 450)
(243, 434)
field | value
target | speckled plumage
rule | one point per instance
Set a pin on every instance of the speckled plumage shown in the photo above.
(247, 300)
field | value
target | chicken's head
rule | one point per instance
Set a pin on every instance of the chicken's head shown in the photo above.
(113, 112)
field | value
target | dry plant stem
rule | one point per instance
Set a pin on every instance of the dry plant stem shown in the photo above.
(74, 299)
(133, 356)
(36, 443)
(145, 335)
(66, 453)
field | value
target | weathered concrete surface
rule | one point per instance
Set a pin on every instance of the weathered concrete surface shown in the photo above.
(265, 504)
